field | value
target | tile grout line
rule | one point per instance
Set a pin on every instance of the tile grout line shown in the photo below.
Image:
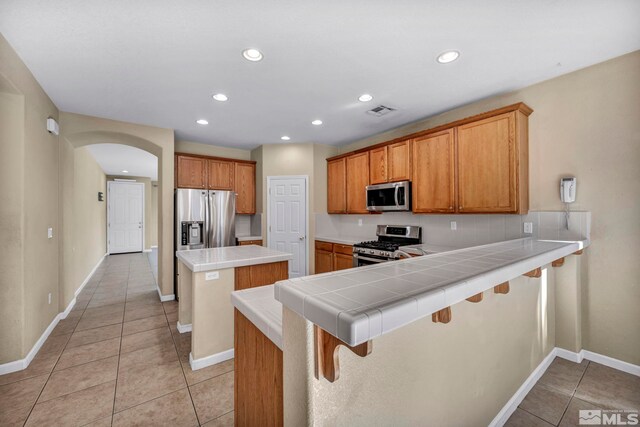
(573, 394)
(56, 363)
(182, 367)
(115, 389)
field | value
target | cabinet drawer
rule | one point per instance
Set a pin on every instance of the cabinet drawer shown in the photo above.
(324, 246)
(342, 249)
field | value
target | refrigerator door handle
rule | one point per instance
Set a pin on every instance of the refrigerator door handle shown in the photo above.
(207, 225)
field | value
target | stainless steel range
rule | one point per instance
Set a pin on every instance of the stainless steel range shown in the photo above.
(390, 238)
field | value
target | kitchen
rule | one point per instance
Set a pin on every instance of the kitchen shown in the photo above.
(491, 339)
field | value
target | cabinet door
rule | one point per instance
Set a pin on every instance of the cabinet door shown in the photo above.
(342, 262)
(336, 186)
(245, 186)
(220, 175)
(324, 261)
(191, 172)
(378, 165)
(487, 167)
(433, 185)
(357, 181)
(399, 161)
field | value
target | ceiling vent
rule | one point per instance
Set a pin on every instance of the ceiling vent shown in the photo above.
(380, 110)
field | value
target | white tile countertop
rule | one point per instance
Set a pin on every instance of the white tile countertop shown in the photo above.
(247, 238)
(359, 304)
(343, 240)
(229, 257)
(261, 308)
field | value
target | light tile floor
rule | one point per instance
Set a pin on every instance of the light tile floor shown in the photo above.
(118, 359)
(567, 387)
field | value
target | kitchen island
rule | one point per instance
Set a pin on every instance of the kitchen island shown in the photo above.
(489, 310)
(206, 278)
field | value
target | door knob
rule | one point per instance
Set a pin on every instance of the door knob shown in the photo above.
(301, 237)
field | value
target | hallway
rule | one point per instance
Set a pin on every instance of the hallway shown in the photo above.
(118, 359)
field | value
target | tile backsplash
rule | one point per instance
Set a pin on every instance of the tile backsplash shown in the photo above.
(470, 229)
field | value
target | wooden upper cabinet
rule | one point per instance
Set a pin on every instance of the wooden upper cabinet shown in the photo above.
(493, 165)
(357, 181)
(433, 186)
(378, 165)
(191, 172)
(337, 186)
(221, 175)
(245, 187)
(399, 161)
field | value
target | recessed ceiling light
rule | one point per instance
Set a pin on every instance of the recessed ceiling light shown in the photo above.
(125, 171)
(448, 56)
(252, 54)
(316, 122)
(202, 122)
(365, 98)
(220, 97)
(285, 138)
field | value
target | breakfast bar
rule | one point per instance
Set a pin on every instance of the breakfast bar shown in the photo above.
(310, 318)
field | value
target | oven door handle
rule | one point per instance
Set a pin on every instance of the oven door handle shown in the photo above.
(366, 258)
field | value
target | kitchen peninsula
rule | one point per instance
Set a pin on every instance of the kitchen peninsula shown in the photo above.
(359, 345)
(206, 278)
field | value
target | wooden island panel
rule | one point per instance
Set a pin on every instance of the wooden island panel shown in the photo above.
(260, 275)
(258, 376)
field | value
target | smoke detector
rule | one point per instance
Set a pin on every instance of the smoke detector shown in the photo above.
(380, 110)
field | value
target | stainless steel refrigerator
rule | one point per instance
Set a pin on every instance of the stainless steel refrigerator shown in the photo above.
(203, 219)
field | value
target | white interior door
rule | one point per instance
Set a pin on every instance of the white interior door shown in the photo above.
(287, 220)
(125, 221)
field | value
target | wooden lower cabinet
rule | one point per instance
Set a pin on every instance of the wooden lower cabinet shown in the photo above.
(332, 257)
(250, 242)
(252, 276)
(258, 377)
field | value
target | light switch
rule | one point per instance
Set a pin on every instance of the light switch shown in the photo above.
(211, 275)
(528, 228)
(50, 233)
(360, 222)
(454, 225)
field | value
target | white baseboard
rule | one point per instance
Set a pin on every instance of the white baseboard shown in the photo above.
(210, 360)
(21, 364)
(154, 246)
(524, 389)
(91, 273)
(146, 250)
(184, 328)
(165, 298)
(620, 365)
(519, 395)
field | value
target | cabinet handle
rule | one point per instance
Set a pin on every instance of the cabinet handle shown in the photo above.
(459, 207)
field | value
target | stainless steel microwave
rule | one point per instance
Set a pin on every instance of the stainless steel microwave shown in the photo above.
(394, 196)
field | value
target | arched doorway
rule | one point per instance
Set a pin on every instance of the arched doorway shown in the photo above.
(80, 131)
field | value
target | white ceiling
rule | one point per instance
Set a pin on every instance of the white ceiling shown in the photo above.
(114, 158)
(158, 62)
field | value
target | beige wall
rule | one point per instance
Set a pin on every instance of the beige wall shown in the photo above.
(212, 150)
(425, 373)
(153, 225)
(32, 196)
(294, 159)
(586, 124)
(149, 211)
(90, 215)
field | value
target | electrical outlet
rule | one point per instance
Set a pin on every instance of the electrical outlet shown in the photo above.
(454, 225)
(212, 275)
(528, 228)
(360, 222)
(50, 233)
(49, 297)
